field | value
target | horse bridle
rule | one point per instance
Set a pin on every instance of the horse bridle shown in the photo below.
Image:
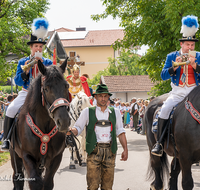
(57, 103)
(79, 105)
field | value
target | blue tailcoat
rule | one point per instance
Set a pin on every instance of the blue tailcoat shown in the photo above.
(20, 80)
(167, 71)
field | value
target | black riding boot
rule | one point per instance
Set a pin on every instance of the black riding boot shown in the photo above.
(7, 125)
(158, 147)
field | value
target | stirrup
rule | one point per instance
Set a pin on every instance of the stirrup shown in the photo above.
(159, 152)
(6, 149)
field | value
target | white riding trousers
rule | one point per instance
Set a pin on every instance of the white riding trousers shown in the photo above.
(176, 95)
(16, 104)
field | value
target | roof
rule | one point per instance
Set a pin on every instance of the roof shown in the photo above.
(72, 35)
(139, 83)
(53, 39)
(95, 38)
(64, 30)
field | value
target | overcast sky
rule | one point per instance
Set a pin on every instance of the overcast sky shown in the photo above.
(72, 14)
(77, 13)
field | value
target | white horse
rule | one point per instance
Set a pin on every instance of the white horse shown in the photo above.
(80, 101)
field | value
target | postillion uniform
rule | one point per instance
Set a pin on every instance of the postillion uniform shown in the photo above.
(21, 79)
(183, 80)
(180, 89)
(39, 31)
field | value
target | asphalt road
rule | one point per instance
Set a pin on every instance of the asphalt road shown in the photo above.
(129, 175)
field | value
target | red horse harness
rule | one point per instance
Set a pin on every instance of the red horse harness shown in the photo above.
(45, 138)
(194, 113)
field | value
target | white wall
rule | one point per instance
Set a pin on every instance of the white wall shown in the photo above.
(122, 95)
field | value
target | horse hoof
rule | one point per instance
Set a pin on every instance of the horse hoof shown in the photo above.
(75, 161)
(72, 166)
(84, 164)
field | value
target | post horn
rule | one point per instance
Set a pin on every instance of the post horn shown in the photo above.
(32, 62)
(176, 64)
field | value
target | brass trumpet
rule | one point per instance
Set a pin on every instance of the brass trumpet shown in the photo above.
(32, 62)
(176, 64)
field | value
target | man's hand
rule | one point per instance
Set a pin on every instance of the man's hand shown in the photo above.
(123, 142)
(192, 61)
(178, 59)
(74, 130)
(124, 155)
(69, 131)
(38, 58)
(27, 71)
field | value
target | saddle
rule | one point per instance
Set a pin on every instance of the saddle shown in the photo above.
(155, 118)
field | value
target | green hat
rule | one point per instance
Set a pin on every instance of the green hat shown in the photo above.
(102, 89)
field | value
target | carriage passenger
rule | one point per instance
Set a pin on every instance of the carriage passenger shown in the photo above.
(183, 78)
(78, 83)
(103, 125)
(23, 78)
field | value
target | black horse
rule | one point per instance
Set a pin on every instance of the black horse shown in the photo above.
(38, 138)
(184, 147)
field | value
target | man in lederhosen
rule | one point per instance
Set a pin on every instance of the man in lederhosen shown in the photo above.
(103, 126)
(23, 78)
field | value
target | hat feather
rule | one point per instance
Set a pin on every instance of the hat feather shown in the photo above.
(40, 27)
(189, 26)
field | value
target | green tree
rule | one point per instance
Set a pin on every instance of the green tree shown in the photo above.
(16, 17)
(125, 64)
(156, 23)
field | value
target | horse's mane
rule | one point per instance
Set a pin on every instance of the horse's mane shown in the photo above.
(34, 97)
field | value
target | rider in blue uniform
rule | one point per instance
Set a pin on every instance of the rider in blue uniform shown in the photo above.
(183, 78)
(24, 78)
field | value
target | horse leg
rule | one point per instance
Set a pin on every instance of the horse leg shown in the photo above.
(50, 172)
(187, 181)
(18, 174)
(173, 181)
(30, 165)
(71, 164)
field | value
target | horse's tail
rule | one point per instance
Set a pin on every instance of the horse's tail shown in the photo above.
(163, 168)
(157, 165)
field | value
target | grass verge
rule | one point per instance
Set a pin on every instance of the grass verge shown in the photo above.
(4, 157)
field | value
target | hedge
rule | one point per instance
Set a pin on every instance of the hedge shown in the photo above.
(7, 89)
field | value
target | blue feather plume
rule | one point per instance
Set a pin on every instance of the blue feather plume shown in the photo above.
(40, 27)
(190, 21)
(38, 22)
(189, 26)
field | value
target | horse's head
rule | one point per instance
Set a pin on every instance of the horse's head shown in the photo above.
(55, 94)
(80, 102)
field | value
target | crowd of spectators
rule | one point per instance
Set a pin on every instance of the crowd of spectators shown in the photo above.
(5, 100)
